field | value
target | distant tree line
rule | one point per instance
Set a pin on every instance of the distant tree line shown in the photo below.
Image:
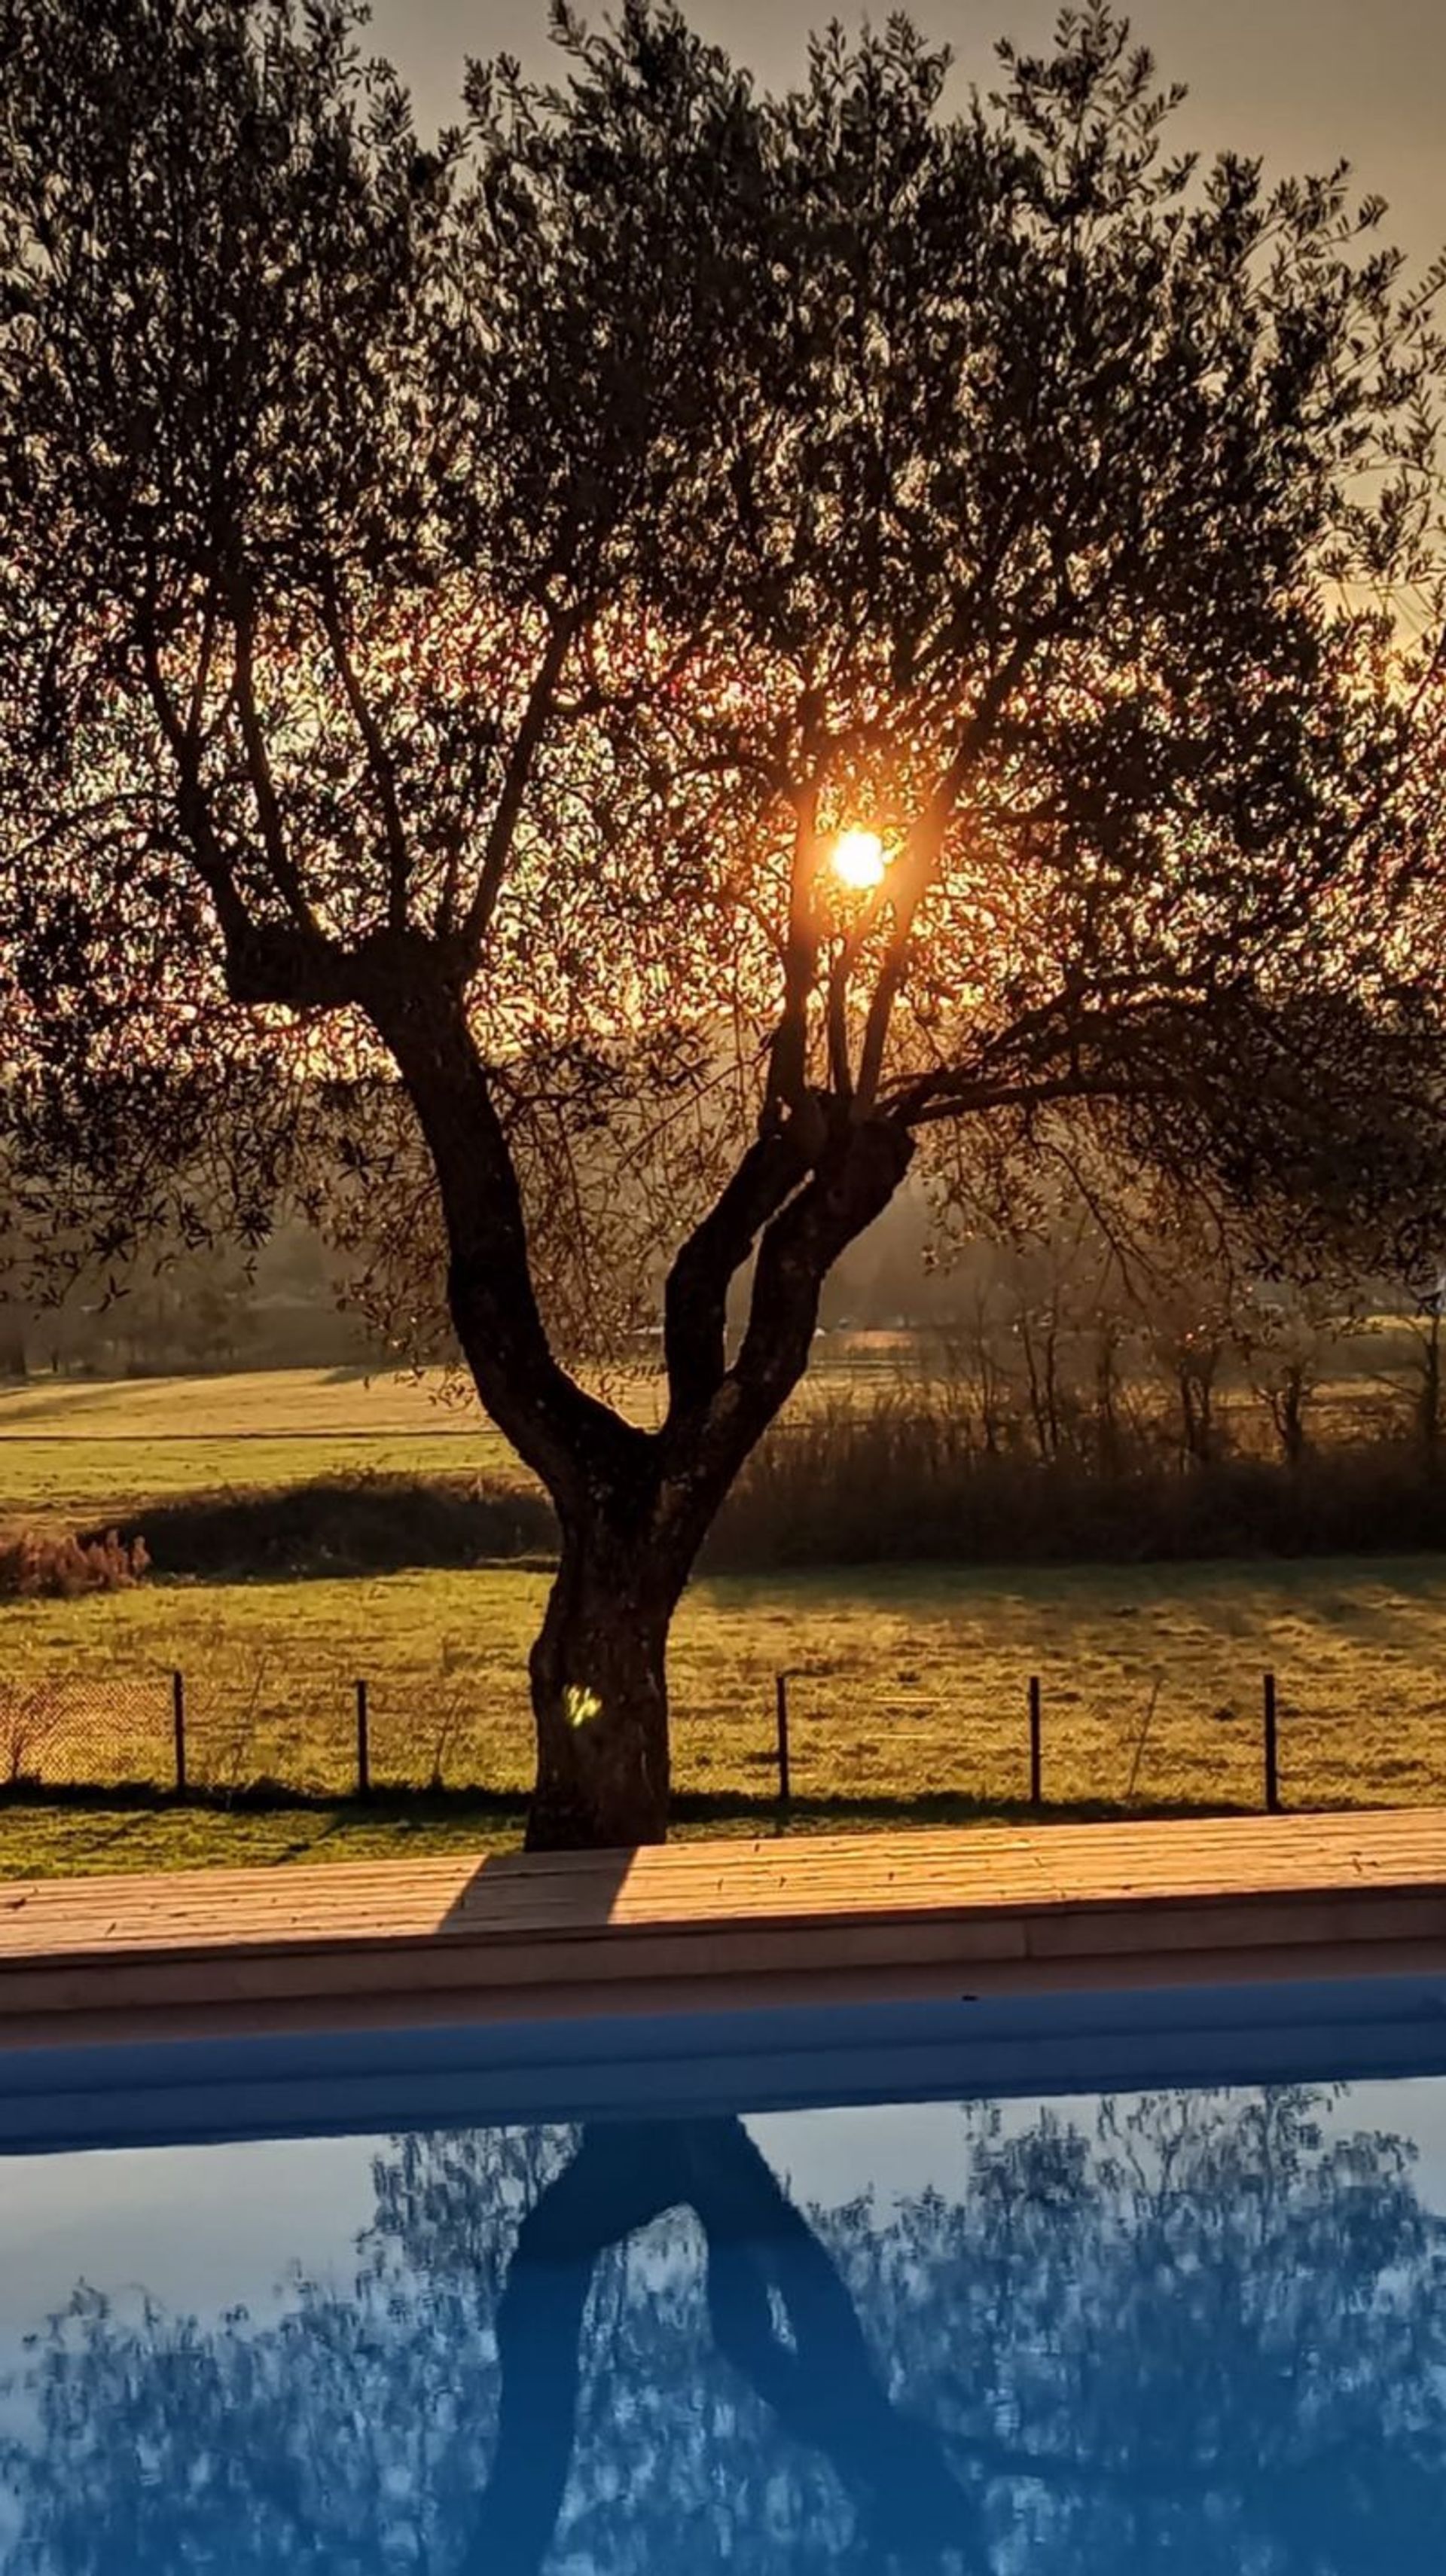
(174, 1312)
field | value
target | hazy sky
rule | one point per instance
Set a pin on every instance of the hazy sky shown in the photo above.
(1302, 81)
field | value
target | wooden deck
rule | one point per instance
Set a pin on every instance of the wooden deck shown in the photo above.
(707, 1922)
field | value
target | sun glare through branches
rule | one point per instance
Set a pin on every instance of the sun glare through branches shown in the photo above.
(858, 861)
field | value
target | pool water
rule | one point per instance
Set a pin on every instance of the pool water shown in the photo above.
(1078, 2324)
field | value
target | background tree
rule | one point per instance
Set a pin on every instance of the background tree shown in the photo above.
(1423, 1332)
(455, 598)
(1286, 1340)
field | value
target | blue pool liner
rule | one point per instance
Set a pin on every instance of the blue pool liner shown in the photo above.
(795, 2057)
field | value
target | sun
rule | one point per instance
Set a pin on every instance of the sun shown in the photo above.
(858, 860)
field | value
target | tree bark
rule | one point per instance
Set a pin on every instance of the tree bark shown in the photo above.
(600, 1692)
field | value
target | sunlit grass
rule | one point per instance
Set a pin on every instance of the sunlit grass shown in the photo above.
(909, 1687)
(909, 1683)
(83, 1450)
(79, 1449)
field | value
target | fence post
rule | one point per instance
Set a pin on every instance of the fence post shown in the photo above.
(1272, 1764)
(785, 1780)
(178, 1729)
(1036, 1746)
(363, 1744)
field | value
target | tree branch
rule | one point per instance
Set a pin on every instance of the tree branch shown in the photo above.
(212, 865)
(1057, 1029)
(954, 1101)
(283, 871)
(696, 1298)
(908, 880)
(526, 745)
(569, 1439)
(788, 1059)
(852, 1182)
(379, 759)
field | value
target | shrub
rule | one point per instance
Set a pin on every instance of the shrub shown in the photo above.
(902, 1479)
(341, 1525)
(38, 1566)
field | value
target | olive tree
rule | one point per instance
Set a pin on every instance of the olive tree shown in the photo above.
(688, 641)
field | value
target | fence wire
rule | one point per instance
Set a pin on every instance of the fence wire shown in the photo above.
(842, 1739)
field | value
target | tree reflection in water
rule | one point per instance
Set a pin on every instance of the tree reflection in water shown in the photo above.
(1197, 2331)
(778, 2310)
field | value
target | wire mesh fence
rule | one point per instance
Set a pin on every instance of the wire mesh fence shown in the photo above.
(230, 1728)
(72, 1730)
(798, 1737)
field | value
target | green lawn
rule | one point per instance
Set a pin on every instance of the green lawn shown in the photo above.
(910, 1683)
(63, 1841)
(73, 1450)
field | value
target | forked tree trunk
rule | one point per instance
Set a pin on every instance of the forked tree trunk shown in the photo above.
(600, 1695)
(633, 1506)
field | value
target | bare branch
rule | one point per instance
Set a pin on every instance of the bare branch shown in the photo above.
(379, 759)
(280, 864)
(788, 1060)
(904, 887)
(193, 806)
(526, 744)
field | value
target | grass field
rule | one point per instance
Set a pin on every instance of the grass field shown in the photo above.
(909, 1686)
(78, 1450)
(73, 1449)
(909, 1683)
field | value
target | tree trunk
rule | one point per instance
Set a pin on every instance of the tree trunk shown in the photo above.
(1109, 1446)
(1428, 1402)
(600, 1694)
(1287, 1406)
(633, 1505)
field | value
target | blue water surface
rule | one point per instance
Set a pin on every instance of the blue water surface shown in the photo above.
(1197, 2327)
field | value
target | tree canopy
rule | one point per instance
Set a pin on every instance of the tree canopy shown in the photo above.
(458, 596)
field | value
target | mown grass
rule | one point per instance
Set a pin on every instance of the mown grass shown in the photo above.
(59, 1839)
(79, 1448)
(908, 1689)
(73, 1449)
(237, 1405)
(876, 1458)
(909, 1682)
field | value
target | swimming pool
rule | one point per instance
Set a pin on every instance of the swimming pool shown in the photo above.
(1077, 2284)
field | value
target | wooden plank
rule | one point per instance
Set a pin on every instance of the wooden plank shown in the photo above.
(1062, 1900)
(462, 1902)
(982, 1867)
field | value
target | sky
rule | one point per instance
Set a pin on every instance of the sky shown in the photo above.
(1303, 82)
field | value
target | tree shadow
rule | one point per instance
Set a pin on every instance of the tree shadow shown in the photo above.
(518, 1891)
